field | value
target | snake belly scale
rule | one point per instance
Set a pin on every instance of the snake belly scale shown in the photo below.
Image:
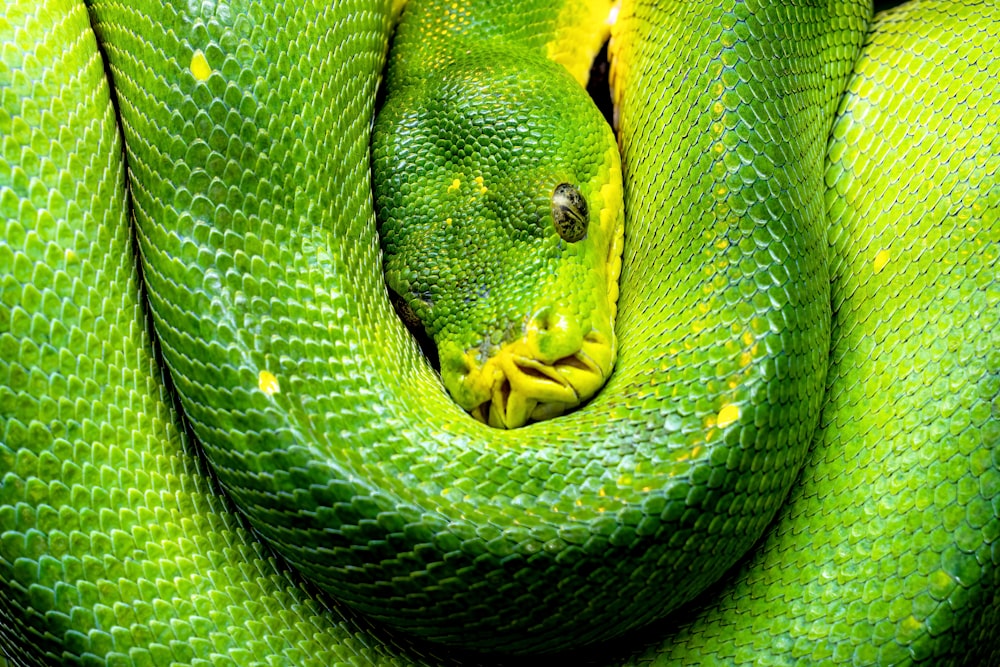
(241, 131)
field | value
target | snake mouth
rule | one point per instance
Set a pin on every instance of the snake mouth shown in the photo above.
(517, 386)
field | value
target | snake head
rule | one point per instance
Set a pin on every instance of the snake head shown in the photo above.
(499, 201)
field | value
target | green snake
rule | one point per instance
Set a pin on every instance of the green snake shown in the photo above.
(812, 237)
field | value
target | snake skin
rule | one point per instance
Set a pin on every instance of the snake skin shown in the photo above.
(117, 546)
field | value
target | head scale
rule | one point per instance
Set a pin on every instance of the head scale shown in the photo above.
(499, 200)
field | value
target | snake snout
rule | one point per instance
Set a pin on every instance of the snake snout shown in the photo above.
(552, 368)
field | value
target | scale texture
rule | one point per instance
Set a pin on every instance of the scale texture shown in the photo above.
(330, 431)
(235, 138)
(887, 551)
(115, 545)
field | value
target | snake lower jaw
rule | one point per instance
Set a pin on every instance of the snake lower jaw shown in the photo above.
(516, 385)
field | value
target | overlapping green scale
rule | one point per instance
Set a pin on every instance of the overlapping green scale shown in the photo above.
(334, 436)
(886, 553)
(116, 546)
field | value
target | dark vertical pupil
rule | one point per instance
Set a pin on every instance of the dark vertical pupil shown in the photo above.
(569, 213)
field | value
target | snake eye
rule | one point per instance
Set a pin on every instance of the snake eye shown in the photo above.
(569, 213)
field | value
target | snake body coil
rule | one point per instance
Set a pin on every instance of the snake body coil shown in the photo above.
(245, 133)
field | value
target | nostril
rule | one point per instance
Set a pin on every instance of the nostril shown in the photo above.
(544, 320)
(551, 334)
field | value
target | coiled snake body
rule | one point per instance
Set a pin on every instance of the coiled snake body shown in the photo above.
(754, 181)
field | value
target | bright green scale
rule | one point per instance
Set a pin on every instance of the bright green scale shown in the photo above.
(246, 135)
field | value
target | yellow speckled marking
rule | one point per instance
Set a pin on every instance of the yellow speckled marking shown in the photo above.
(729, 413)
(267, 383)
(482, 188)
(199, 66)
(881, 259)
(455, 185)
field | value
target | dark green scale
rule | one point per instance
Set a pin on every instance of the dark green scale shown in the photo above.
(115, 545)
(245, 132)
(330, 431)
